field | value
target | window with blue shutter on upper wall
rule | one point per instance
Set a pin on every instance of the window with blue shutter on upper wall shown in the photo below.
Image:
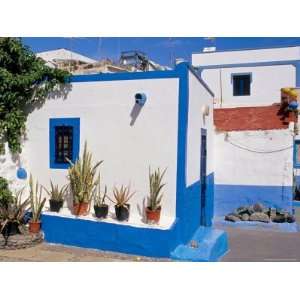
(64, 140)
(241, 84)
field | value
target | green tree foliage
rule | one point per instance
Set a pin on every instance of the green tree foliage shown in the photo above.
(25, 81)
(5, 193)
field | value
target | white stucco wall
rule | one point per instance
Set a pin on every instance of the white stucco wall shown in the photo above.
(9, 165)
(245, 56)
(104, 109)
(199, 97)
(265, 86)
(234, 165)
(251, 167)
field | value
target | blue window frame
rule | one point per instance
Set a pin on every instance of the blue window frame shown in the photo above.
(297, 154)
(241, 84)
(64, 139)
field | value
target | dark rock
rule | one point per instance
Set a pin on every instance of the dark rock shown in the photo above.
(258, 207)
(279, 219)
(281, 212)
(260, 217)
(250, 210)
(272, 212)
(245, 217)
(241, 210)
(232, 218)
(290, 218)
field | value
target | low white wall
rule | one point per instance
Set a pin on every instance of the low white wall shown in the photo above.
(265, 86)
(199, 97)
(253, 166)
(235, 165)
(105, 109)
(9, 165)
(245, 56)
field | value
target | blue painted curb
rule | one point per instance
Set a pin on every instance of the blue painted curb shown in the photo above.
(212, 244)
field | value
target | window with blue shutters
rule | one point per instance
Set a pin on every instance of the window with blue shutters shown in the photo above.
(64, 141)
(241, 84)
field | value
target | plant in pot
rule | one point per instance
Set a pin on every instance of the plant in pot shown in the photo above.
(100, 207)
(153, 208)
(12, 215)
(36, 203)
(56, 195)
(121, 198)
(81, 175)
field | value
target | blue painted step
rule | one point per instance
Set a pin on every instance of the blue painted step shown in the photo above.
(211, 244)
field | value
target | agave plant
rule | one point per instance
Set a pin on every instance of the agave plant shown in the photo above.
(15, 211)
(56, 193)
(121, 196)
(81, 175)
(36, 201)
(97, 196)
(155, 185)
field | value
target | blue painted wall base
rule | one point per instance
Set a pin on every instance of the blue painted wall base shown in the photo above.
(109, 236)
(229, 197)
(212, 245)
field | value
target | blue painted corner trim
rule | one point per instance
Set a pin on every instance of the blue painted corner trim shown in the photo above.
(295, 154)
(192, 69)
(53, 122)
(212, 245)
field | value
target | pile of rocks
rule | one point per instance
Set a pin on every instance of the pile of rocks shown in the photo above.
(258, 212)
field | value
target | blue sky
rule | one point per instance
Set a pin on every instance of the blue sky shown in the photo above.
(161, 49)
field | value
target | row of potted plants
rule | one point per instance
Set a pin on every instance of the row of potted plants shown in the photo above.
(85, 187)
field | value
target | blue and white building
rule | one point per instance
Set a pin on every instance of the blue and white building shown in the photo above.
(214, 126)
(254, 146)
(172, 129)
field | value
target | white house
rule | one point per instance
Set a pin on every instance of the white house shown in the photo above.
(253, 151)
(173, 130)
(249, 77)
(254, 143)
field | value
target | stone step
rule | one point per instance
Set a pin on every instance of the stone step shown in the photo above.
(207, 244)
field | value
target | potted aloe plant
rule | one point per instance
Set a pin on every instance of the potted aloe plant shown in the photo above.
(121, 198)
(12, 215)
(36, 203)
(153, 209)
(56, 195)
(100, 207)
(81, 175)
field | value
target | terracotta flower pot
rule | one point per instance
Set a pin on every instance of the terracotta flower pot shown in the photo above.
(80, 209)
(34, 226)
(153, 216)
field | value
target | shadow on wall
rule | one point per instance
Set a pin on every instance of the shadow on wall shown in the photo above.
(135, 113)
(61, 91)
